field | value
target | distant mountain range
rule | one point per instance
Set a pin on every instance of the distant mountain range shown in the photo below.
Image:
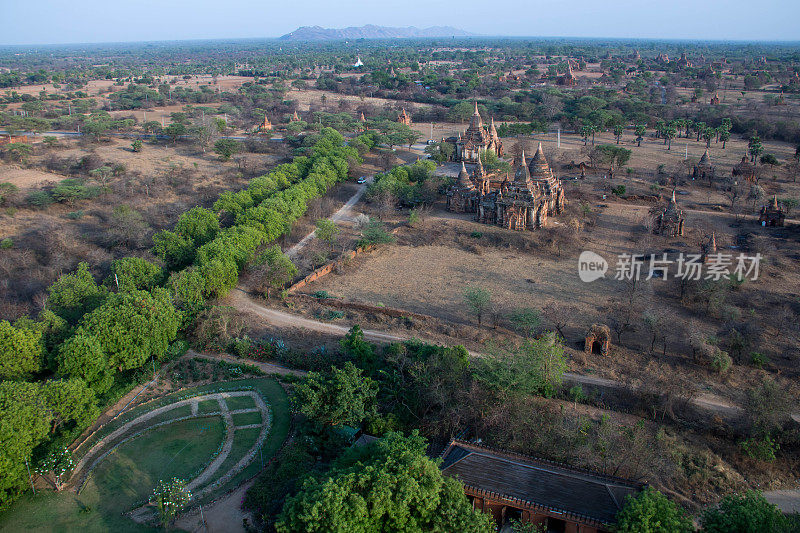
(370, 31)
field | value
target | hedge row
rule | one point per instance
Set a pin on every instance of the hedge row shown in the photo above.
(91, 335)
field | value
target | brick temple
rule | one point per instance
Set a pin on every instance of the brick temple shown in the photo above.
(523, 203)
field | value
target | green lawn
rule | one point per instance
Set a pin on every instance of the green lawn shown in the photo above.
(245, 419)
(208, 406)
(127, 476)
(243, 440)
(240, 402)
(275, 396)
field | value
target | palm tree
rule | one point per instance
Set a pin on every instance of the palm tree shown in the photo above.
(641, 129)
(618, 129)
(669, 134)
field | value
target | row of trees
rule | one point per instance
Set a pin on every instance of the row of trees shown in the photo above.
(93, 337)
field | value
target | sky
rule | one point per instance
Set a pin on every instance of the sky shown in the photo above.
(85, 21)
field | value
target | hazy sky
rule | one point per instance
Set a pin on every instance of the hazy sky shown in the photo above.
(81, 21)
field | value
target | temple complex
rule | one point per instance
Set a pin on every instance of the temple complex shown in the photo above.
(462, 197)
(772, 214)
(403, 117)
(523, 203)
(745, 169)
(476, 139)
(714, 99)
(265, 127)
(670, 221)
(684, 62)
(568, 79)
(704, 169)
(534, 491)
(295, 116)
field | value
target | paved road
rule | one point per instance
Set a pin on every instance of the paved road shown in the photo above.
(129, 135)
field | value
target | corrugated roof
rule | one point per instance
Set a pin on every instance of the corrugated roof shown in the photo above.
(559, 488)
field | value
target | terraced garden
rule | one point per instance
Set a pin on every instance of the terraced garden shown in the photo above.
(214, 437)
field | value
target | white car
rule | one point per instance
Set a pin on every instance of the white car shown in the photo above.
(362, 179)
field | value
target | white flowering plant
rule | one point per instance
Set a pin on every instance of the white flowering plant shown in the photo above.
(170, 497)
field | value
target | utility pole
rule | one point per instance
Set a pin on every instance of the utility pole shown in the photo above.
(202, 518)
(686, 152)
(558, 135)
(31, 479)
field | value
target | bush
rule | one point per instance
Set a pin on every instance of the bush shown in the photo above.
(760, 449)
(721, 361)
(476, 234)
(746, 513)
(323, 295)
(75, 215)
(652, 511)
(758, 359)
(375, 233)
(39, 199)
(240, 346)
(6, 243)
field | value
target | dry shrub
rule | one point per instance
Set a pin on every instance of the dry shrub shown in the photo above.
(216, 327)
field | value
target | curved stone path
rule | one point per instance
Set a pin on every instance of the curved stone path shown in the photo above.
(100, 450)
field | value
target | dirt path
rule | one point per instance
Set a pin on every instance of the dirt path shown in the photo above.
(239, 299)
(787, 501)
(267, 368)
(344, 212)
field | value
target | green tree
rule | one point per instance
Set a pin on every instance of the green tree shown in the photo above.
(354, 345)
(537, 367)
(21, 350)
(669, 134)
(82, 356)
(226, 148)
(18, 151)
(375, 233)
(754, 147)
(198, 224)
(275, 269)
(724, 136)
(175, 130)
(652, 512)
(134, 274)
(327, 231)
(618, 129)
(134, 326)
(390, 485)
(342, 396)
(73, 295)
(478, 301)
(175, 250)
(744, 513)
(23, 426)
(137, 145)
(526, 320)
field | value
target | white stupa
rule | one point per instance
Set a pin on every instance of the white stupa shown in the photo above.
(358, 63)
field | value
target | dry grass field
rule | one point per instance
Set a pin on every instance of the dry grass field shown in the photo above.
(429, 266)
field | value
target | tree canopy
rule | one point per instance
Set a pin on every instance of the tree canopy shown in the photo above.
(342, 396)
(389, 485)
(652, 512)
